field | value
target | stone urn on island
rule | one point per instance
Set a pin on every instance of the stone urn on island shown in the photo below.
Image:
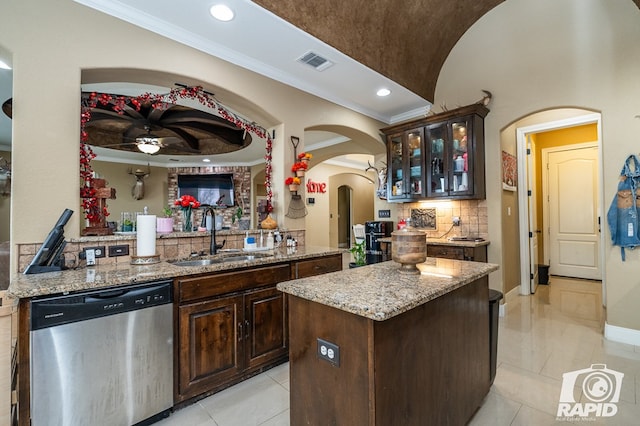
(408, 248)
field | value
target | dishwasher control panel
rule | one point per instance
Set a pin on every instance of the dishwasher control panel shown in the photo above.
(51, 311)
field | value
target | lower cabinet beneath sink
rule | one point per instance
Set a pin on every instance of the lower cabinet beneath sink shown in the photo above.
(224, 338)
(233, 324)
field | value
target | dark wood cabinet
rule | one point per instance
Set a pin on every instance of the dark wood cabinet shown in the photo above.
(441, 156)
(266, 330)
(405, 165)
(310, 267)
(476, 254)
(209, 344)
(228, 328)
(233, 324)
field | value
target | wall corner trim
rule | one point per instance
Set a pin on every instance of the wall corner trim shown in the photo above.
(621, 334)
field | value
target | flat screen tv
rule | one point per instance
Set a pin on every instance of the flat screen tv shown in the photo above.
(212, 189)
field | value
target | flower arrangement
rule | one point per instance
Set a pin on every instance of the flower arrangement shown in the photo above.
(299, 166)
(186, 203)
(292, 180)
(305, 156)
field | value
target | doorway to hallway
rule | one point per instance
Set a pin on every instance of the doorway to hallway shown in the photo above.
(344, 216)
(536, 221)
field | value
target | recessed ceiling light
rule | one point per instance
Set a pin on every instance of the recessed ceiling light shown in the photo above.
(4, 65)
(221, 12)
(383, 92)
(206, 160)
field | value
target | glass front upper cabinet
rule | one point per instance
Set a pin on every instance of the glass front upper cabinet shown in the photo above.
(406, 165)
(450, 159)
(440, 156)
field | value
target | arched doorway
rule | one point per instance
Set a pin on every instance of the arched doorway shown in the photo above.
(344, 216)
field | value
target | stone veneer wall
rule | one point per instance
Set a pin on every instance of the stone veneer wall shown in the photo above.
(473, 217)
(169, 246)
(242, 183)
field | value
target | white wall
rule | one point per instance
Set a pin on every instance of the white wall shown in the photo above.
(544, 54)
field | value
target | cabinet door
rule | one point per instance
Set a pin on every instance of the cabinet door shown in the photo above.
(438, 149)
(395, 167)
(462, 157)
(406, 165)
(415, 167)
(210, 337)
(265, 330)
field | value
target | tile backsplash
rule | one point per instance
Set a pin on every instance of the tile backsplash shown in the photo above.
(472, 214)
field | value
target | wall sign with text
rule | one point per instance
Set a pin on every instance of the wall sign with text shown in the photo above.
(319, 187)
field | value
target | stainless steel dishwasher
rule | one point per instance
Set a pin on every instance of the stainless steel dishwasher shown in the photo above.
(102, 357)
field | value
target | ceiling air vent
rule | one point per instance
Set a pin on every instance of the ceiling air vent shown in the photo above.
(316, 61)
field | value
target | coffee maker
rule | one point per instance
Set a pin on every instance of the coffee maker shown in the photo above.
(373, 231)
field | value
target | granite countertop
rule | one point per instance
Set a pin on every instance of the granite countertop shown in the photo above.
(96, 277)
(447, 242)
(380, 292)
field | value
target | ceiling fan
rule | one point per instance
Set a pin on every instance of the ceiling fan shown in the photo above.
(150, 143)
(174, 129)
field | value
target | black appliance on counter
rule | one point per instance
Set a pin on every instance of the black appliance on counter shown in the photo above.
(374, 230)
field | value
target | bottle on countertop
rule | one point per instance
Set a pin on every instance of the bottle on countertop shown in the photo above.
(270, 240)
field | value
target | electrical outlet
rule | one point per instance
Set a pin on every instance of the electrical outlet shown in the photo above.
(90, 255)
(329, 352)
(456, 221)
(98, 251)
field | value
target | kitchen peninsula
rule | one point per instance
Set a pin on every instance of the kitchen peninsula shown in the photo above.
(373, 346)
(226, 317)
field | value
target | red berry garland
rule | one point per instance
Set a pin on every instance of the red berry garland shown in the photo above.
(158, 101)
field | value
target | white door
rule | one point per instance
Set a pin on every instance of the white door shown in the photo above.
(533, 220)
(573, 225)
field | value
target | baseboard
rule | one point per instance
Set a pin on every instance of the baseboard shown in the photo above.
(621, 334)
(514, 292)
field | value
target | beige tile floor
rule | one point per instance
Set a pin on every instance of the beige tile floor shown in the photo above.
(555, 331)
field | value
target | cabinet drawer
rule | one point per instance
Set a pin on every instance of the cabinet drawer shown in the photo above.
(311, 267)
(476, 254)
(228, 282)
(447, 252)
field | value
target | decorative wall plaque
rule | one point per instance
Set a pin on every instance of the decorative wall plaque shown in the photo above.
(424, 218)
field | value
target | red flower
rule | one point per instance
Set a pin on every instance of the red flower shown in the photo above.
(187, 201)
(299, 166)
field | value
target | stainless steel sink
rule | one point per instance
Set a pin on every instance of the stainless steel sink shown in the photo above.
(217, 260)
(196, 262)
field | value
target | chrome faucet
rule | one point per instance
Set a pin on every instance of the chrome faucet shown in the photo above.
(213, 246)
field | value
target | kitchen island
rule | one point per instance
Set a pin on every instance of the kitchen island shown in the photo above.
(372, 346)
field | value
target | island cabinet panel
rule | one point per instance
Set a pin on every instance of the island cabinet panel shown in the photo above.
(318, 266)
(427, 366)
